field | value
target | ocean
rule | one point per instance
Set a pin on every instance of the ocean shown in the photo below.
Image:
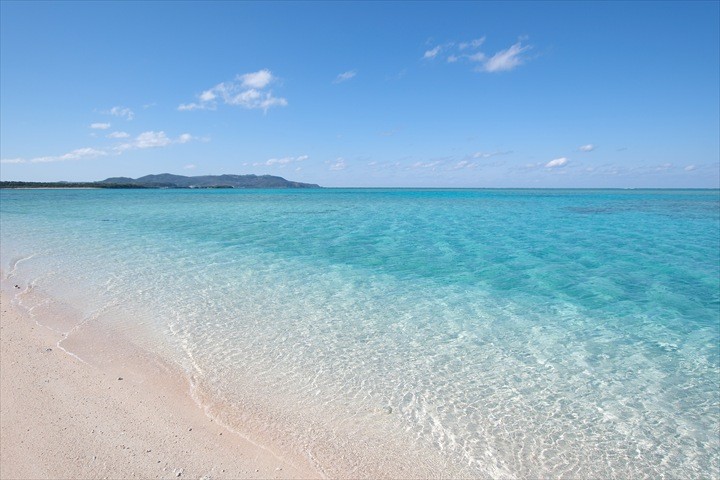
(503, 333)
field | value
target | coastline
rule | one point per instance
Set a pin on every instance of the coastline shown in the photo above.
(64, 417)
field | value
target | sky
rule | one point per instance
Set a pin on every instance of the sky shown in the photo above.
(366, 94)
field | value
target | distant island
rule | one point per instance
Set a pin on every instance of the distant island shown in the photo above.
(168, 180)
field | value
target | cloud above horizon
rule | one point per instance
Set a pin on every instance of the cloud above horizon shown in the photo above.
(122, 112)
(118, 135)
(557, 162)
(282, 161)
(99, 126)
(339, 164)
(152, 139)
(77, 154)
(501, 61)
(587, 148)
(345, 76)
(246, 90)
(149, 139)
(432, 53)
(505, 60)
(490, 154)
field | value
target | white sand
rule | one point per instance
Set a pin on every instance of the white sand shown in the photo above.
(63, 418)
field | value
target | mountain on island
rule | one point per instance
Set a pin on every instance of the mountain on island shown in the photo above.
(168, 180)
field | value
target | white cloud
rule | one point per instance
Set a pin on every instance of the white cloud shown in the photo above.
(189, 166)
(477, 57)
(464, 164)
(425, 164)
(282, 161)
(207, 96)
(259, 79)
(339, 164)
(152, 139)
(184, 138)
(122, 112)
(77, 154)
(587, 148)
(247, 91)
(118, 135)
(488, 154)
(472, 43)
(690, 168)
(505, 60)
(195, 106)
(557, 162)
(100, 126)
(432, 53)
(345, 76)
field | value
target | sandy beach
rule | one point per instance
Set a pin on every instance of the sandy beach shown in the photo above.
(124, 417)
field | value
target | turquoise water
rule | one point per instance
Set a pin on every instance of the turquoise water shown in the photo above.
(512, 333)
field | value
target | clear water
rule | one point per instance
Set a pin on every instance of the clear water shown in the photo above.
(511, 333)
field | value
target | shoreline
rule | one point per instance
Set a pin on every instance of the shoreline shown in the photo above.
(119, 414)
(98, 404)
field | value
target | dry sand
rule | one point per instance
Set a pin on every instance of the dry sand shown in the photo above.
(63, 418)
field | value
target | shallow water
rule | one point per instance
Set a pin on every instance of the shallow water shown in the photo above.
(512, 333)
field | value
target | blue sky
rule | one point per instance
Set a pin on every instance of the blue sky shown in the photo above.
(606, 94)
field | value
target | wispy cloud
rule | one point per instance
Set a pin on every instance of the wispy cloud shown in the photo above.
(99, 126)
(345, 76)
(77, 154)
(184, 138)
(433, 52)
(690, 168)
(471, 44)
(122, 112)
(464, 164)
(189, 166)
(490, 154)
(557, 162)
(282, 161)
(152, 139)
(503, 60)
(118, 135)
(339, 164)
(432, 164)
(587, 148)
(247, 91)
